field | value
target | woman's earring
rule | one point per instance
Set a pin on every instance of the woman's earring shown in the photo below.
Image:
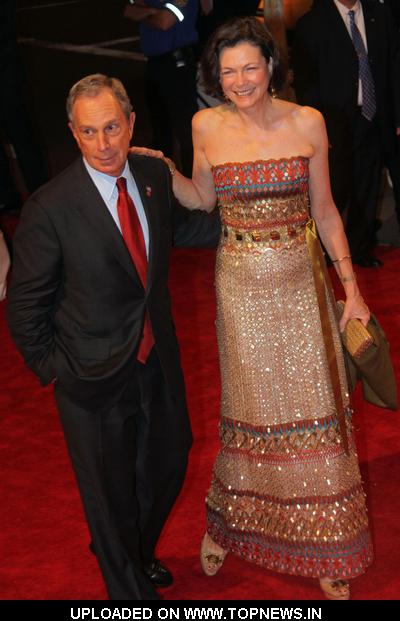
(271, 88)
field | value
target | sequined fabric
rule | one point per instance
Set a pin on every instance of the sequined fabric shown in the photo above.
(284, 493)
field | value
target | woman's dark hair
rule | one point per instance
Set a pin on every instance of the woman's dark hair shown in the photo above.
(229, 34)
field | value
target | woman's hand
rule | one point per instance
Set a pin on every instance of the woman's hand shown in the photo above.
(355, 308)
(3, 290)
(146, 151)
(4, 267)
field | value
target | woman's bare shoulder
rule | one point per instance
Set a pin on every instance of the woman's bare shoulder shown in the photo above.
(309, 117)
(294, 111)
(208, 119)
(310, 124)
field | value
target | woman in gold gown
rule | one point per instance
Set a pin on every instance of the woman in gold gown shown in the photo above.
(286, 491)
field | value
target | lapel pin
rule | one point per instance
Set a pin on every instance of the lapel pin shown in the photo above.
(148, 190)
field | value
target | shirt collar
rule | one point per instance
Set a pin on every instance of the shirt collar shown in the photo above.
(106, 183)
(343, 10)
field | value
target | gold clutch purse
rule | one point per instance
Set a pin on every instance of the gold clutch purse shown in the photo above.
(356, 338)
(367, 358)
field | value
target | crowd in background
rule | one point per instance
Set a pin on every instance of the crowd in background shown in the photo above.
(173, 47)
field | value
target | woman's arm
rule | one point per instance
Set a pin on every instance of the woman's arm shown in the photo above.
(198, 192)
(4, 267)
(328, 220)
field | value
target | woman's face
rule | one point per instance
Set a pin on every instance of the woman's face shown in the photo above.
(243, 74)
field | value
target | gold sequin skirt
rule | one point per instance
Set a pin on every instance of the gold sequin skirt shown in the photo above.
(284, 494)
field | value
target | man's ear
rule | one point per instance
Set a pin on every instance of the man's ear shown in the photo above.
(132, 118)
(71, 126)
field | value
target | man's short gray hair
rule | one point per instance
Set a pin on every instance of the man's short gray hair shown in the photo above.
(92, 85)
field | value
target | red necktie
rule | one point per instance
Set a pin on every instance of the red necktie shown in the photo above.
(134, 240)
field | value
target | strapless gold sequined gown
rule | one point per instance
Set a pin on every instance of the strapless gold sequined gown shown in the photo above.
(284, 493)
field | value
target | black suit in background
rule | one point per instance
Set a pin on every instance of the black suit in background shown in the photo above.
(395, 8)
(76, 310)
(326, 77)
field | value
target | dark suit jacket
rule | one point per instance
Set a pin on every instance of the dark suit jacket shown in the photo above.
(325, 67)
(395, 8)
(76, 303)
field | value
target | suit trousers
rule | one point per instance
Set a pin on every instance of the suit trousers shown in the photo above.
(392, 162)
(355, 171)
(130, 466)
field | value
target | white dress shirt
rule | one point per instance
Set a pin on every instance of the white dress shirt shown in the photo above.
(107, 187)
(359, 20)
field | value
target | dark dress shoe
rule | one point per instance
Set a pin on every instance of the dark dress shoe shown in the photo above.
(368, 261)
(159, 575)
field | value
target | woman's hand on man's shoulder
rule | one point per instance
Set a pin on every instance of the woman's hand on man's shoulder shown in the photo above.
(146, 151)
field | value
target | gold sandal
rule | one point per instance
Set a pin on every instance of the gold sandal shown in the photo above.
(211, 562)
(335, 588)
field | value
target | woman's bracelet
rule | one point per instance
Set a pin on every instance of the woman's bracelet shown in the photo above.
(171, 165)
(347, 278)
(346, 256)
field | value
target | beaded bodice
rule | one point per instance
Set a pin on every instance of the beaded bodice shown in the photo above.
(264, 200)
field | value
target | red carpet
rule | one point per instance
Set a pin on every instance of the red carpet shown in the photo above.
(44, 540)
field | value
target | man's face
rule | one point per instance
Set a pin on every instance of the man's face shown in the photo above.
(102, 131)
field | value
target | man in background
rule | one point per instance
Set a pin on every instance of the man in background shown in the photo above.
(343, 59)
(168, 37)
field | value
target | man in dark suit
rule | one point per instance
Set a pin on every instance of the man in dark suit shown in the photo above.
(357, 101)
(89, 309)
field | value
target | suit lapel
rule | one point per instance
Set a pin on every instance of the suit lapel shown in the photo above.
(91, 206)
(370, 30)
(342, 36)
